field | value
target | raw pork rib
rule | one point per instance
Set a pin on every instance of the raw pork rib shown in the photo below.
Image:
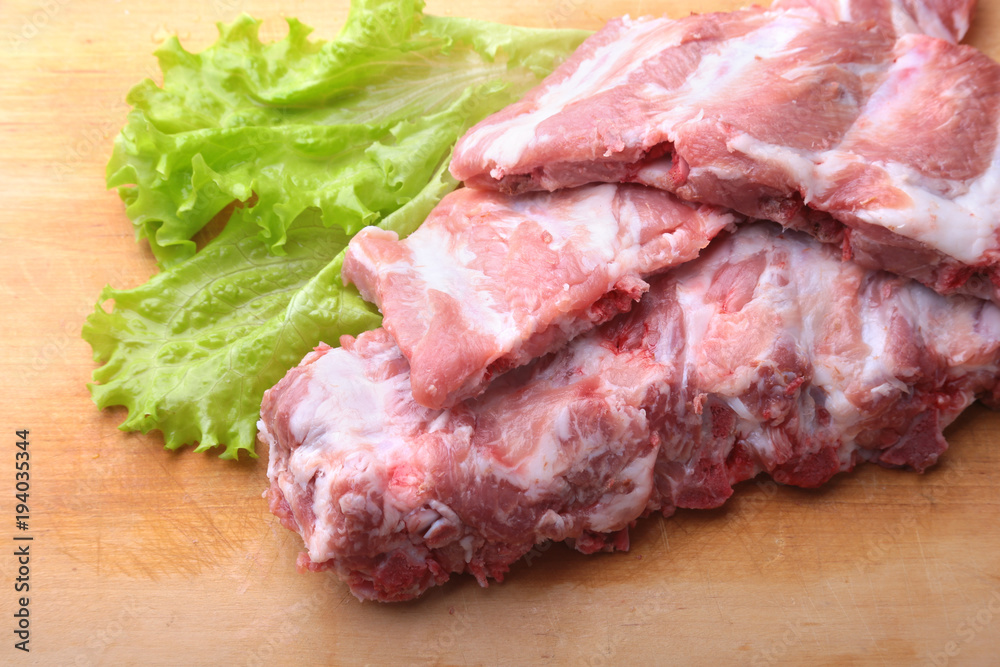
(889, 148)
(490, 281)
(768, 353)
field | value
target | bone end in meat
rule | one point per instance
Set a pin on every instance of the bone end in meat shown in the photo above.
(395, 497)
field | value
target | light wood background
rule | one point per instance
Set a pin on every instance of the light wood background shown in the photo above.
(143, 556)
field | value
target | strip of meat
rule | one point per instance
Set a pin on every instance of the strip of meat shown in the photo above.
(765, 354)
(888, 148)
(944, 19)
(490, 281)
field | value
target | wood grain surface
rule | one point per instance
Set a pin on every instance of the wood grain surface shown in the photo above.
(143, 556)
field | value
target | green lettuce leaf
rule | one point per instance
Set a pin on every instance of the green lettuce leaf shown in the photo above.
(315, 140)
(351, 127)
(192, 351)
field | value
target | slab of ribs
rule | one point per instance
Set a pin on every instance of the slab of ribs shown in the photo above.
(704, 249)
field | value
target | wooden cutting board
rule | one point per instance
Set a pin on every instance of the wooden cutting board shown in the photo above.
(143, 556)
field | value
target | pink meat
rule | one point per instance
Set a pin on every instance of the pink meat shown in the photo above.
(944, 19)
(490, 282)
(395, 497)
(886, 147)
(767, 354)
